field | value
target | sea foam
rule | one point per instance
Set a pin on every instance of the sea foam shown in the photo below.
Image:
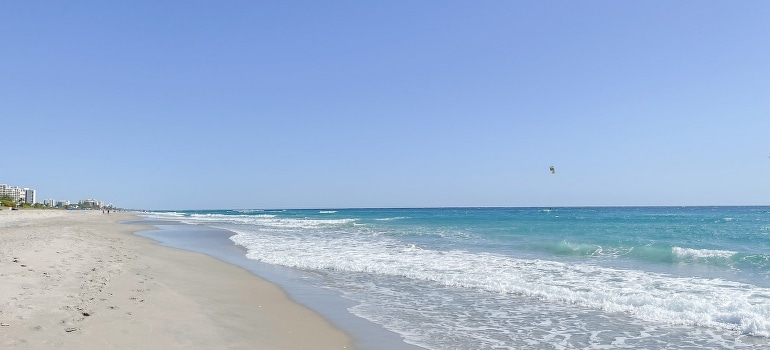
(646, 295)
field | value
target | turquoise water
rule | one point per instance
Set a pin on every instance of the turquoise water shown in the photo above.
(482, 278)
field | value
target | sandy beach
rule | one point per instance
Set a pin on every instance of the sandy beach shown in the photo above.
(81, 280)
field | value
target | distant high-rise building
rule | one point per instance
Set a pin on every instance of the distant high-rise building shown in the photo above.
(49, 202)
(29, 196)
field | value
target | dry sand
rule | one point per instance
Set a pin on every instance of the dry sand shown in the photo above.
(80, 280)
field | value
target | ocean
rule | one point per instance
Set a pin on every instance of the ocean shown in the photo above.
(534, 278)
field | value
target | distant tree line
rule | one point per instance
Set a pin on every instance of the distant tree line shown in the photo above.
(7, 201)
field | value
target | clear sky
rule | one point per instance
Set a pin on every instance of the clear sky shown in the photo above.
(328, 104)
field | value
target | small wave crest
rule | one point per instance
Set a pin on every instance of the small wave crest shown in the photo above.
(163, 214)
(265, 220)
(565, 248)
(688, 254)
(577, 249)
(653, 253)
(393, 218)
(229, 217)
(248, 211)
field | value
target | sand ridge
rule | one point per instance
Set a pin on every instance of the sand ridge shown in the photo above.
(79, 280)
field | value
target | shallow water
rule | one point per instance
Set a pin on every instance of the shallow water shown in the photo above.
(480, 278)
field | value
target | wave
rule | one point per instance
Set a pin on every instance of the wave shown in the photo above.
(662, 254)
(229, 217)
(689, 254)
(711, 257)
(264, 221)
(649, 296)
(248, 211)
(393, 218)
(164, 214)
(565, 248)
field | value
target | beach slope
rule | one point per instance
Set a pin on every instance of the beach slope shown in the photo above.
(81, 280)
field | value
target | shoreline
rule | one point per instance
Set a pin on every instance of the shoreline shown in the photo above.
(82, 280)
(216, 243)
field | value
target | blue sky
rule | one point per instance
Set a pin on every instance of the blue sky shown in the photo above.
(297, 104)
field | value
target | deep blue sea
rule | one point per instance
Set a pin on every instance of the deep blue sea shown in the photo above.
(542, 278)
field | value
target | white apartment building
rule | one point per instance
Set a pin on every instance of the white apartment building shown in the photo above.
(49, 202)
(16, 194)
